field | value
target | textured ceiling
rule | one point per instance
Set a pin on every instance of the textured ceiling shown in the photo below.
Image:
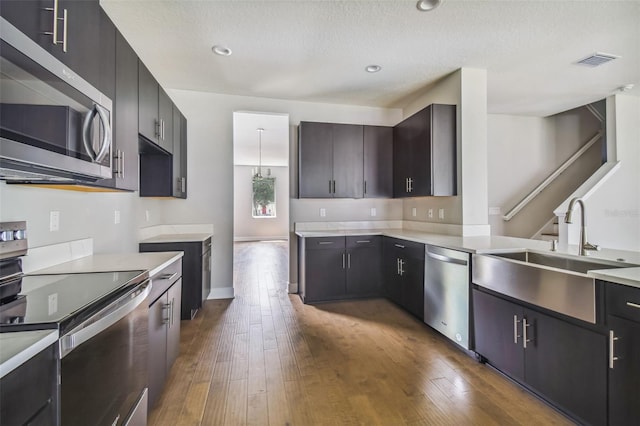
(316, 50)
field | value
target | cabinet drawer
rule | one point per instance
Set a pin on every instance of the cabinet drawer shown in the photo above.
(161, 281)
(325, 243)
(363, 241)
(623, 301)
(411, 248)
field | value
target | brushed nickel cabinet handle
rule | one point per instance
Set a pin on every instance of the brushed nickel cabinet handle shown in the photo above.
(64, 30)
(612, 357)
(525, 339)
(515, 329)
(633, 305)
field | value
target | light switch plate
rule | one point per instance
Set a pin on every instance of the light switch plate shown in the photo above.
(323, 212)
(147, 215)
(441, 214)
(373, 212)
(414, 212)
(116, 217)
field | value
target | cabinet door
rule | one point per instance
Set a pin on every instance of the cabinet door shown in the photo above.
(165, 114)
(315, 164)
(158, 319)
(179, 154)
(32, 18)
(174, 299)
(378, 162)
(498, 333)
(411, 157)
(392, 282)
(413, 285)
(325, 275)
(624, 377)
(567, 364)
(443, 147)
(148, 123)
(125, 119)
(364, 268)
(29, 394)
(348, 161)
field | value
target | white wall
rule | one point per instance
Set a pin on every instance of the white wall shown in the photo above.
(82, 215)
(613, 211)
(249, 228)
(466, 88)
(523, 151)
(210, 156)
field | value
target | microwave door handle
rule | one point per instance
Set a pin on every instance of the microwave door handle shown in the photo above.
(106, 138)
(86, 133)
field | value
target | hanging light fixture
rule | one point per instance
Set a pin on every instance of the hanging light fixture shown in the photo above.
(258, 173)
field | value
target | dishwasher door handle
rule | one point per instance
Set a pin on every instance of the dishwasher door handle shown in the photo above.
(109, 316)
(446, 259)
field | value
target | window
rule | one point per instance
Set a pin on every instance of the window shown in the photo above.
(264, 196)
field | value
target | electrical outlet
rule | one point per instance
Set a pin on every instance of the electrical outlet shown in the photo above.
(147, 215)
(323, 212)
(441, 214)
(414, 212)
(430, 213)
(54, 221)
(373, 212)
(494, 211)
(116, 217)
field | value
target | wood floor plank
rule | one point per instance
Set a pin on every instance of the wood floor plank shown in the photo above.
(265, 358)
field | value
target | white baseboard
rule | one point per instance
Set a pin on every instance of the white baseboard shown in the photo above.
(221, 293)
(293, 288)
(243, 239)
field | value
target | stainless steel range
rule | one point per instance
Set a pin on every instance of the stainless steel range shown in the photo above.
(102, 319)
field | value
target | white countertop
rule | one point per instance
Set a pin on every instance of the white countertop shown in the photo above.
(178, 238)
(153, 262)
(495, 244)
(19, 347)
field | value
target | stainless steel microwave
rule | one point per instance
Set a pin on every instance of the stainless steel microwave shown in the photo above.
(54, 125)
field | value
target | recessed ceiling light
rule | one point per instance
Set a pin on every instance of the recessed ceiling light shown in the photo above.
(373, 68)
(427, 5)
(221, 50)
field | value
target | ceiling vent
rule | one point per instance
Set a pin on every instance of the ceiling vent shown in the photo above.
(597, 59)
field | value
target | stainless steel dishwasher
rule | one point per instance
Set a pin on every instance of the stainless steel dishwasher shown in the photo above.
(446, 293)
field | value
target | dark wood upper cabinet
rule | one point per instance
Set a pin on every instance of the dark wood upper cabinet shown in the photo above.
(315, 166)
(179, 154)
(148, 95)
(165, 117)
(424, 153)
(331, 160)
(378, 162)
(125, 119)
(87, 46)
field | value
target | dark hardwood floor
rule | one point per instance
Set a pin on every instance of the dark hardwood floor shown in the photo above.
(264, 358)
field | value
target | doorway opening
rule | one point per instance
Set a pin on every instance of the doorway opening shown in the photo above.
(261, 192)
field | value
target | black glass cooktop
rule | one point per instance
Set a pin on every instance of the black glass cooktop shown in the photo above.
(58, 301)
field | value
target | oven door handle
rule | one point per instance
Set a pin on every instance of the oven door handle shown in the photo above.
(104, 319)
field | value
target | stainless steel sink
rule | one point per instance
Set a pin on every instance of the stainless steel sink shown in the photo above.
(580, 265)
(556, 282)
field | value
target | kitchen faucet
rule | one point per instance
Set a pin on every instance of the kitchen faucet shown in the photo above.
(584, 245)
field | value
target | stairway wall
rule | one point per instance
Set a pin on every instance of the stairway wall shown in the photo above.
(523, 151)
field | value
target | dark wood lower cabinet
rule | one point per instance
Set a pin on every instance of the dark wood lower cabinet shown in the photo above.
(403, 271)
(624, 372)
(29, 394)
(335, 268)
(561, 361)
(196, 273)
(164, 338)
